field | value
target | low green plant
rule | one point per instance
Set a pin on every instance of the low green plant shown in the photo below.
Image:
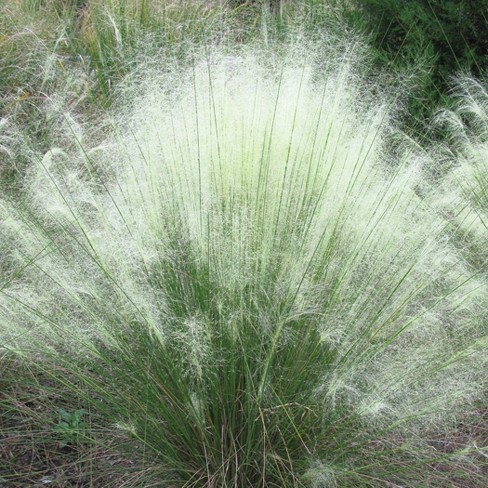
(243, 281)
(71, 425)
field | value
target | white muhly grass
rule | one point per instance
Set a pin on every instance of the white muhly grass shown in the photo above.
(465, 192)
(245, 195)
(7, 142)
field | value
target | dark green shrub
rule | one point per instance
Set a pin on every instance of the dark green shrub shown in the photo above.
(429, 39)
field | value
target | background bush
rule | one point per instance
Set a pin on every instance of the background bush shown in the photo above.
(428, 40)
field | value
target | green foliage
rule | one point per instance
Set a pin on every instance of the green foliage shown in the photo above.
(432, 39)
(110, 34)
(38, 81)
(71, 427)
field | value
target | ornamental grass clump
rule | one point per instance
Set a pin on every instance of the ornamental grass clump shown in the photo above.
(244, 282)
